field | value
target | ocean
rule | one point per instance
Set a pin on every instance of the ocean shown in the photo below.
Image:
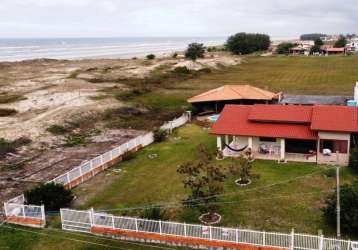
(12, 49)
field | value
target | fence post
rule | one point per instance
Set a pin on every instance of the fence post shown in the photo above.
(68, 180)
(136, 224)
(91, 217)
(43, 213)
(113, 222)
(292, 239)
(81, 174)
(210, 234)
(263, 238)
(185, 235)
(23, 211)
(320, 245)
(237, 235)
(61, 215)
(5, 209)
(160, 227)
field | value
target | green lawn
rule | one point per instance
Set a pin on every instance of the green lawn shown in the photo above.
(24, 238)
(271, 202)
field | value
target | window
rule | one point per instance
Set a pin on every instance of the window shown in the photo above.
(268, 139)
(334, 145)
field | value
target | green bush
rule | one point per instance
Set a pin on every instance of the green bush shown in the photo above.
(150, 57)
(331, 172)
(284, 48)
(57, 129)
(246, 43)
(182, 70)
(154, 213)
(340, 43)
(353, 159)
(349, 208)
(128, 155)
(159, 135)
(175, 55)
(75, 140)
(195, 51)
(11, 146)
(53, 196)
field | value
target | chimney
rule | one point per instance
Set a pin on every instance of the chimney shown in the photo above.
(356, 92)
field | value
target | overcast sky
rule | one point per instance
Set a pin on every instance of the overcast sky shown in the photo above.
(113, 18)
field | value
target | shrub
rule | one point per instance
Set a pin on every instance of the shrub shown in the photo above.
(341, 42)
(353, 159)
(175, 55)
(245, 43)
(159, 135)
(284, 48)
(154, 213)
(194, 51)
(182, 70)
(128, 155)
(11, 146)
(57, 129)
(150, 57)
(75, 140)
(331, 172)
(7, 112)
(53, 196)
(349, 208)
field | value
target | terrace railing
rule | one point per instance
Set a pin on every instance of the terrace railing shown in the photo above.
(17, 212)
(166, 231)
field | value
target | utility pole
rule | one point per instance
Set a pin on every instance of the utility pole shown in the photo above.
(338, 198)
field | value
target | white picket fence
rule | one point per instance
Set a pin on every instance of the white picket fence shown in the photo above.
(15, 207)
(17, 212)
(83, 221)
(89, 166)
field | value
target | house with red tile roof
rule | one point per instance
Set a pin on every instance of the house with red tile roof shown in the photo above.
(215, 99)
(320, 134)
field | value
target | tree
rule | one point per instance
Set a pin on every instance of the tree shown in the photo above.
(284, 48)
(204, 180)
(312, 36)
(150, 56)
(195, 51)
(315, 49)
(349, 208)
(353, 159)
(341, 42)
(246, 43)
(53, 196)
(241, 166)
(318, 42)
(159, 135)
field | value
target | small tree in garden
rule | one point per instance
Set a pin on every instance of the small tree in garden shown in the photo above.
(341, 42)
(204, 180)
(349, 208)
(195, 51)
(159, 135)
(241, 166)
(353, 159)
(150, 56)
(53, 196)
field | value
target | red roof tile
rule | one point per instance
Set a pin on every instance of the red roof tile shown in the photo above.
(335, 118)
(278, 113)
(233, 120)
(285, 121)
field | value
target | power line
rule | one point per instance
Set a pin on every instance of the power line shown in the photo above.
(88, 236)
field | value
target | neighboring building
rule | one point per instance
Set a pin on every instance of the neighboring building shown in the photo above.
(214, 100)
(300, 50)
(330, 50)
(352, 47)
(288, 132)
(314, 100)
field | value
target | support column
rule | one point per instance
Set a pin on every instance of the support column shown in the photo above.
(283, 150)
(227, 140)
(249, 142)
(218, 143)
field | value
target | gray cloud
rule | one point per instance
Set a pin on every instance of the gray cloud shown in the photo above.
(43, 18)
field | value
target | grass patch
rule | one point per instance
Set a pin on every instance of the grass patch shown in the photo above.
(261, 205)
(7, 112)
(24, 238)
(57, 129)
